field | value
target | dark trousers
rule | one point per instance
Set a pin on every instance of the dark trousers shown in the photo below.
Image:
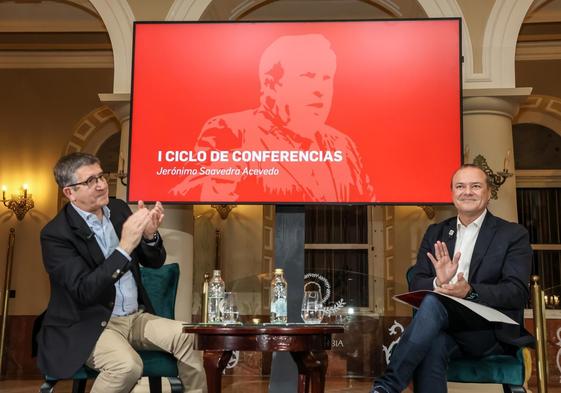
(429, 342)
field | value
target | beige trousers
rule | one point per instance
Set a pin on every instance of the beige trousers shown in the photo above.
(120, 367)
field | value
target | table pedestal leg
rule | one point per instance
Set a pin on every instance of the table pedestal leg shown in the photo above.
(312, 367)
(215, 362)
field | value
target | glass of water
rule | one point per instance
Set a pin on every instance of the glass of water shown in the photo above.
(229, 308)
(312, 307)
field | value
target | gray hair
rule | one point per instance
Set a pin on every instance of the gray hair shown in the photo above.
(67, 166)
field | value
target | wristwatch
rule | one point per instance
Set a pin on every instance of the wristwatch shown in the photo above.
(153, 239)
(472, 295)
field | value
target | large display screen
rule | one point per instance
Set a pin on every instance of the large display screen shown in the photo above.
(295, 112)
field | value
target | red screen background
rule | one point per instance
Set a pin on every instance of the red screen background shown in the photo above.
(397, 92)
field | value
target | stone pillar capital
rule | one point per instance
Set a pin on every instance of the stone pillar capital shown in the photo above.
(488, 117)
(502, 102)
(119, 103)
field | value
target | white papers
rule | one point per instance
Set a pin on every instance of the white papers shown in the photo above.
(490, 314)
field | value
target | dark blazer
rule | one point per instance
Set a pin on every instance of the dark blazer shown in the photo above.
(499, 271)
(82, 287)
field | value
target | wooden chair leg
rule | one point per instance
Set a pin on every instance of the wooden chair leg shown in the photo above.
(155, 384)
(513, 388)
(79, 385)
(175, 384)
(48, 387)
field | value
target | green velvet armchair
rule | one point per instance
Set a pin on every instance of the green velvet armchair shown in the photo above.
(161, 286)
(512, 372)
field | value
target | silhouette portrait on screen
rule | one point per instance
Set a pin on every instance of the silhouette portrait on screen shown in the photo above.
(296, 78)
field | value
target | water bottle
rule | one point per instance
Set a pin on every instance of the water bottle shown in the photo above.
(279, 291)
(215, 297)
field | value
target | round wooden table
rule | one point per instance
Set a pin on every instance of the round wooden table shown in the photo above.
(306, 343)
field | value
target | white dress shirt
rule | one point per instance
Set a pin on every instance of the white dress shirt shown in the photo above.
(466, 236)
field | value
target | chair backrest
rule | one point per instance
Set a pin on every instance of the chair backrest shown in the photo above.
(161, 286)
(409, 275)
(510, 371)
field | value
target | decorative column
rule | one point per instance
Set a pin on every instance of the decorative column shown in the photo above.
(177, 233)
(120, 104)
(487, 115)
(177, 228)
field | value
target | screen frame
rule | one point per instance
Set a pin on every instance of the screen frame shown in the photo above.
(375, 203)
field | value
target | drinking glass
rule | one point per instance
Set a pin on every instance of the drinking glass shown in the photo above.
(229, 309)
(312, 307)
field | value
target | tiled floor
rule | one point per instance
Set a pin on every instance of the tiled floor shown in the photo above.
(259, 385)
(229, 385)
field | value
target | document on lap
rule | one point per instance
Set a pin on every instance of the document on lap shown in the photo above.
(414, 299)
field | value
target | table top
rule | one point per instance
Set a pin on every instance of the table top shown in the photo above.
(266, 328)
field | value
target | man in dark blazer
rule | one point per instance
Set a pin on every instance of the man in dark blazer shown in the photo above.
(474, 256)
(99, 313)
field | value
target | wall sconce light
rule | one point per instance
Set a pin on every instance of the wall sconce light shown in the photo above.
(224, 210)
(20, 204)
(497, 179)
(120, 174)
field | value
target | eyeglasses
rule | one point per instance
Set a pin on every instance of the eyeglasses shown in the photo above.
(91, 181)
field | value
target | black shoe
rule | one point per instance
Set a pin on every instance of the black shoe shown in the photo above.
(378, 389)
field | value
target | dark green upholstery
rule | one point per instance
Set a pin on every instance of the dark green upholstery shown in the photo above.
(158, 364)
(501, 369)
(82, 373)
(161, 286)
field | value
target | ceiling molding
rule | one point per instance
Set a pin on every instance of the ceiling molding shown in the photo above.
(544, 17)
(56, 59)
(541, 178)
(54, 46)
(8, 26)
(533, 51)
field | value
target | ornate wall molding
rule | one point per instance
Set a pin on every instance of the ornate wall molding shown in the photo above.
(187, 10)
(499, 40)
(499, 44)
(542, 110)
(451, 8)
(193, 9)
(118, 19)
(92, 130)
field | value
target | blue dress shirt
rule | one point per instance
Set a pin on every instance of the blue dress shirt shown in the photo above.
(126, 299)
